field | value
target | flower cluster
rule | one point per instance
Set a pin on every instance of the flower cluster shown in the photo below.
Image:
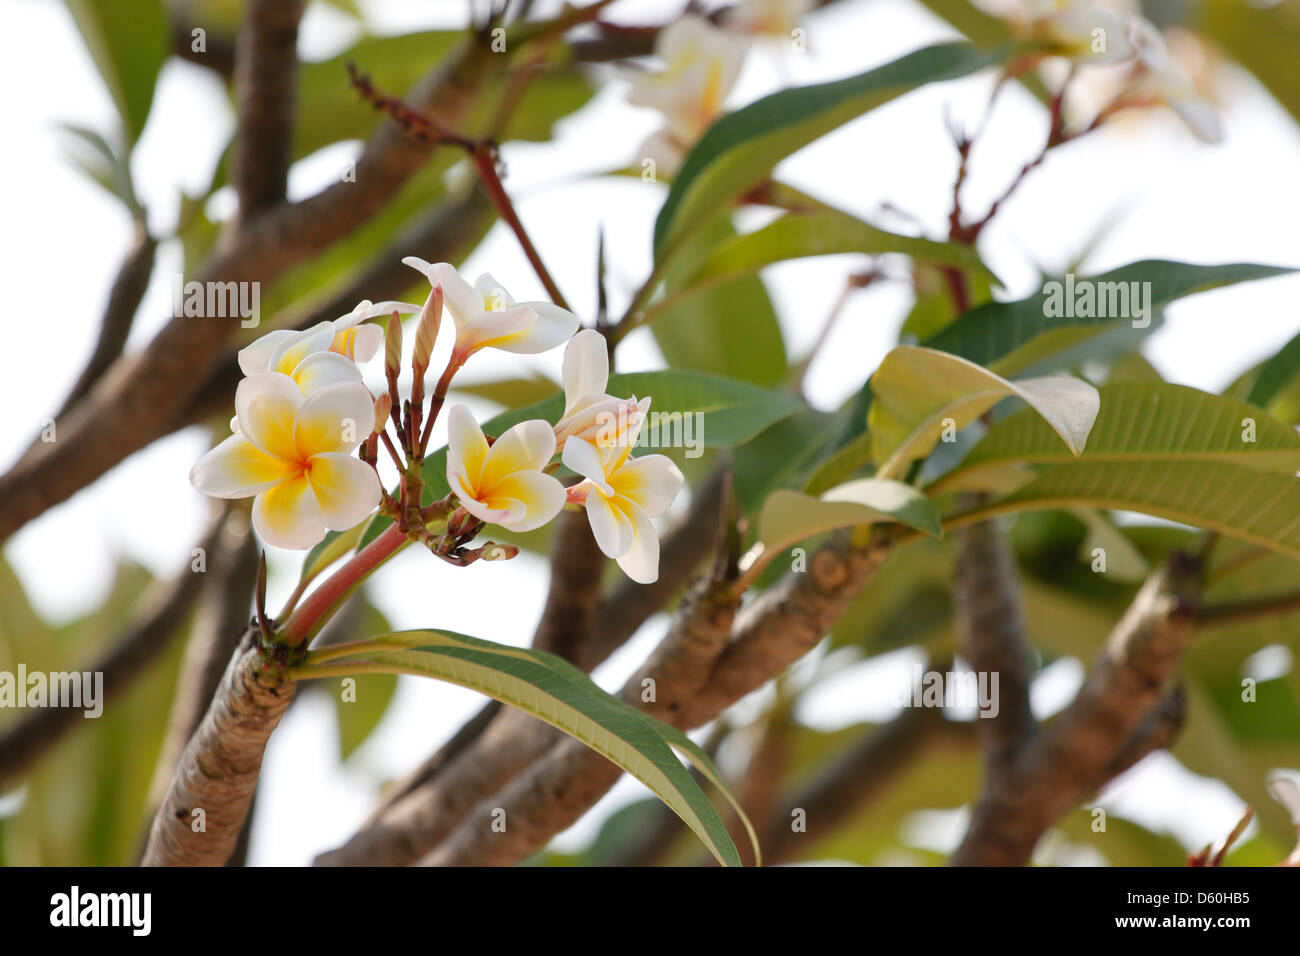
(1091, 33)
(701, 65)
(303, 409)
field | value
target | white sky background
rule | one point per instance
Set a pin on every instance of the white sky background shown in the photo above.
(65, 237)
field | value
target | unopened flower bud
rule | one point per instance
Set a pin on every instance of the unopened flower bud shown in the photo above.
(426, 332)
(498, 552)
(393, 346)
(383, 407)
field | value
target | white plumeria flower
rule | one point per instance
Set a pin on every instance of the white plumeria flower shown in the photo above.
(324, 354)
(359, 340)
(293, 454)
(1166, 82)
(775, 18)
(503, 484)
(701, 67)
(621, 495)
(587, 407)
(487, 317)
(1081, 30)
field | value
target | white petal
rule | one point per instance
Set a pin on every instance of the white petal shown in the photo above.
(346, 488)
(611, 528)
(554, 326)
(494, 329)
(237, 468)
(510, 509)
(467, 449)
(581, 458)
(336, 418)
(542, 497)
(640, 561)
(287, 516)
(495, 296)
(296, 348)
(366, 342)
(256, 357)
(266, 406)
(463, 302)
(527, 446)
(651, 483)
(366, 309)
(324, 368)
(586, 367)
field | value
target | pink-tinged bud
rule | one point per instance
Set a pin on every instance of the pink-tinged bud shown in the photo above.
(383, 407)
(393, 346)
(426, 332)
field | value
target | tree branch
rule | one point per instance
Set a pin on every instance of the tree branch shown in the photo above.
(1107, 727)
(266, 68)
(203, 814)
(123, 301)
(987, 614)
(765, 637)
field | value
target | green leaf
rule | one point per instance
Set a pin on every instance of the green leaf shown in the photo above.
(1276, 374)
(1007, 337)
(368, 699)
(1263, 38)
(730, 331)
(1257, 506)
(552, 690)
(917, 389)
(1155, 422)
(128, 42)
(791, 516)
(796, 236)
(510, 392)
(741, 148)
(1123, 561)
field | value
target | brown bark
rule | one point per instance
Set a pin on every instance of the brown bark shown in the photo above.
(1125, 708)
(217, 776)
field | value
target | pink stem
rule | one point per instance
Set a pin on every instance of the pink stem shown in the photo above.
(321, 603)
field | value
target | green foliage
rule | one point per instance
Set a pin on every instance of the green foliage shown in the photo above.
(552, 690)
(128, 42)
(742, 147)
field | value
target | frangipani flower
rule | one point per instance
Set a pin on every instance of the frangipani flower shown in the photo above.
(304, 356)
(587, 408)
(702, 65)
(361, 342)
(503, 484)
(293, 454)
(621, 495)
(487, 317)
(1082, 31)
(1165, 81)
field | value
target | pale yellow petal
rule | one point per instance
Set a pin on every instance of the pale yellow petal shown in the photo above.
(287, 516)
(336, 418)
(237, 468)
(266, 406)
(346, 488)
